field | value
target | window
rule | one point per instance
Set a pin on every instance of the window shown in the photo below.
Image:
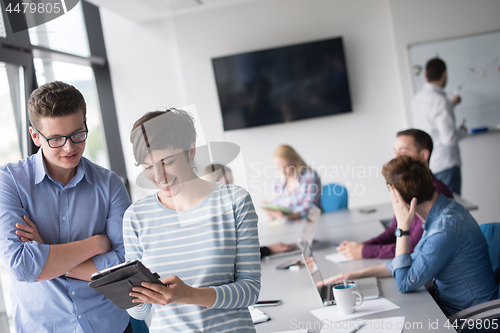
(70, 49)
(12, 135)
(67, 33)
(11, 107)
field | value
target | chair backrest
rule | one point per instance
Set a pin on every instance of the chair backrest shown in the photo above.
(333, 197)
(486, 312)
(492, 233)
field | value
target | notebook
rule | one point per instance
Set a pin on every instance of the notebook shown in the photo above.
(258, 316)
(307, 234)
(367, 287)
(276, 207)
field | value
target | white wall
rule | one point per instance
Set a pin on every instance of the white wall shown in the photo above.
(357, 141)
(145, 75)
(428, 20)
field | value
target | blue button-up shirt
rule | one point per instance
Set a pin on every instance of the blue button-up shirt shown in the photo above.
(92, 203)
(452, 250)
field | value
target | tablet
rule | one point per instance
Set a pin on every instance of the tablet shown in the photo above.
(116, 282)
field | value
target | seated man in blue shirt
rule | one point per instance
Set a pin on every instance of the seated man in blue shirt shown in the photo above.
(60, 221)
(452, 250)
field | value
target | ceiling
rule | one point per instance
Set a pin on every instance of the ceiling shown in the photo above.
(150, 10)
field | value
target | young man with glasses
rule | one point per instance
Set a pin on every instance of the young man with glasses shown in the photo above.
(60, 221)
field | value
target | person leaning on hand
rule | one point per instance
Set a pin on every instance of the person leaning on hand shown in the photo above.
(452, 251)
(417, 144)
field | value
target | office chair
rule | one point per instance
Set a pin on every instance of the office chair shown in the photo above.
(492, 233)
(333, 197)
(489, 312)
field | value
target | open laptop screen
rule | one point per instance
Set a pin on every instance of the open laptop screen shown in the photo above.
(313, 267)
(368, 287)
(311, 222)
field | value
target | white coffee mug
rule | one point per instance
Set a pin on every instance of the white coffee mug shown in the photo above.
(345, 297)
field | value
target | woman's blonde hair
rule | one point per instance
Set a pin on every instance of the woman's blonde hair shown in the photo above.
(288, 153)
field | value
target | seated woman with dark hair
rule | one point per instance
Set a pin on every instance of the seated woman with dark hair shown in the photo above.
(452, 250)
(417, 144)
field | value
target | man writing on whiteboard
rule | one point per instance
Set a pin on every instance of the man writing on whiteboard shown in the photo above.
(433, 113)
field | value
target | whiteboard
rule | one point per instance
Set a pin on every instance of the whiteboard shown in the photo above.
(473, 67)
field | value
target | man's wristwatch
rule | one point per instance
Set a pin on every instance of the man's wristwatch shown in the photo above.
(398, 232)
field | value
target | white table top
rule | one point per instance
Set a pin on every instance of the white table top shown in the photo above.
(381, 212)
(297, 292)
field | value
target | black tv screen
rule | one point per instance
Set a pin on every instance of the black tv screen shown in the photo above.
(282, 84)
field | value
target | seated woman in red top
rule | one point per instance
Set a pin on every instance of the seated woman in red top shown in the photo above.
(417, 144)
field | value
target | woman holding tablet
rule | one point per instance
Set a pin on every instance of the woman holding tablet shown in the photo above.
(295, 188)
(201, 237)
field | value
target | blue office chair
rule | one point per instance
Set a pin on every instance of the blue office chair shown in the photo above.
(334, 197)
(489, 310)
(492, 233)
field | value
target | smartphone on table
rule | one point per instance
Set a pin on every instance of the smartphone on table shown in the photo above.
(290, 264)
(268, 303)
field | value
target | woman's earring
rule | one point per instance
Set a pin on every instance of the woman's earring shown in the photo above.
(194, 169)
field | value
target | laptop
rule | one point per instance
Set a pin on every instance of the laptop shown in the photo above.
(307, 234)
(367, 287)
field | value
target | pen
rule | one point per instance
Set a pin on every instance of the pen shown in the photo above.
(357, 328)
(335, 244)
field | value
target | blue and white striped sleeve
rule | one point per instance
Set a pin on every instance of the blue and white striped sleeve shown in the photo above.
(133, 250)
(245, 290)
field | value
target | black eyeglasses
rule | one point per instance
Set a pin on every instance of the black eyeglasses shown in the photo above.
(59, 141)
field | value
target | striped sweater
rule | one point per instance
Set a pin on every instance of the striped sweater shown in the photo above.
(213, 245)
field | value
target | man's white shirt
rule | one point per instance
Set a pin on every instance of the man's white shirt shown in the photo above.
(432, 112)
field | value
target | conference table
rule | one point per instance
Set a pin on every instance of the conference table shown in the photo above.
(298, 293)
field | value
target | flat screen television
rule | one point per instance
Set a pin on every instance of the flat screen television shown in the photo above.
(282, 84)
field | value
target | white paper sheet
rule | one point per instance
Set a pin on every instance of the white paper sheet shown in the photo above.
(337, 258)
(332, 313)
(258, 316)
(380, 325)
